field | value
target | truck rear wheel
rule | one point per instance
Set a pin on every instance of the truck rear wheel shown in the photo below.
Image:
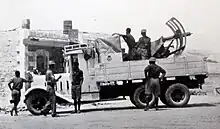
(35, 101)
(139, 98)
(177, 95)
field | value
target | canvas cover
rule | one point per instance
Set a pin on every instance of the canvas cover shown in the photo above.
(108, 45)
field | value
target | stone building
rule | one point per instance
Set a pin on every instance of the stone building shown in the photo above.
(25, 50)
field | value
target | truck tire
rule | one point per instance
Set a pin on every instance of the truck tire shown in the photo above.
(139, 98)
(132, 99)
(35, 101)
(177, 95)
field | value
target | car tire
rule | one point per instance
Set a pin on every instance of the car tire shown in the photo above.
(35, 101)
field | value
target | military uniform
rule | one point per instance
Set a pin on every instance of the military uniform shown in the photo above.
(129, 39)
(144, 47)
(152, 86)
(77, 76)
(16, 92)
(51, 103)
(51, 83)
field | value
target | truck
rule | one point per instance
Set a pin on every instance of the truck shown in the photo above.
(107, 76)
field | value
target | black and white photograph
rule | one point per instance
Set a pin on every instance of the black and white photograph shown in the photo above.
(109, 64)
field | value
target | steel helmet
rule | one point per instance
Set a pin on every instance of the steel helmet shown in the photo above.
(143, 31)
(152, 59)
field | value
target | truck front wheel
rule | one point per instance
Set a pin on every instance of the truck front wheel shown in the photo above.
(177, 95)
(35, 101)
(139, 98)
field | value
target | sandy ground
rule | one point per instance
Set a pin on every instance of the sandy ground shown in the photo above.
(202, 113)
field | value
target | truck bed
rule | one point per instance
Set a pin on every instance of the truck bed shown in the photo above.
(134, 70)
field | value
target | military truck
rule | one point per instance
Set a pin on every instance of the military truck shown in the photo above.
(107, 76)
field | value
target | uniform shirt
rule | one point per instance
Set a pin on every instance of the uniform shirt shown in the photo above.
(129, 39)
(50, 76)
(144, 42)
(153, 71)
(17, 83)
(77, 76)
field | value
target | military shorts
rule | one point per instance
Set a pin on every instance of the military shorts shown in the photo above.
(76, 92)
(153, 87)
(16, 94)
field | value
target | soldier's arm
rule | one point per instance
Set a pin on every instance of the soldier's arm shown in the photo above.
(163, 71)
(81, 77)
(25, 80)
(146, 70)
(58, 78)
(9, 84)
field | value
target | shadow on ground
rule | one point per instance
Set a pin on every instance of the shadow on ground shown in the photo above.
(161, 108)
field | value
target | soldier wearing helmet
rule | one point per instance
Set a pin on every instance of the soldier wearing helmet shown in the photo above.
(144, 45)
(77, 80)
(51, 83)
(152, 86)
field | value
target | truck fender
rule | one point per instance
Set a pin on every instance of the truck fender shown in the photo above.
(35, 88)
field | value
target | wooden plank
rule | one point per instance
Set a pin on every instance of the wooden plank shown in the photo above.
(195, 65)
(113, 77)
(117, 70)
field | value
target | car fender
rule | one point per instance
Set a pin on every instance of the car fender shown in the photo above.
(35, 88)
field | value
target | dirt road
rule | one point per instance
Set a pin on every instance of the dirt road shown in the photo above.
(198, 115)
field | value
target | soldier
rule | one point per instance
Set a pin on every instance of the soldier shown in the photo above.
(129, 39)
(16, 90)
(77, 78)
(51, 83)
(29, 77)
(152, 86)
(144, 44)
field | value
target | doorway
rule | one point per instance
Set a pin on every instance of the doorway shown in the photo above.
(42, 64)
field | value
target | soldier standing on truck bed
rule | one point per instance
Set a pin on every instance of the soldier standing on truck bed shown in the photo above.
(16, 90)
(51, 83)
(77, 78)
(144, 45)
(152, 86)
(129, 39)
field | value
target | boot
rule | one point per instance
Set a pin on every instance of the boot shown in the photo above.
(79, 104)
(75, 105)
(147, 104)
(16, 112)
(11, 112)
(156, 103)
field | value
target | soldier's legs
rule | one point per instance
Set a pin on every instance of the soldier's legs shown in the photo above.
(75, 104)
(53, 104)
(79, 104)
(148, 93)
(15, 100)
(48, 105)
(78, 97)
(147, 99)
(156, 92)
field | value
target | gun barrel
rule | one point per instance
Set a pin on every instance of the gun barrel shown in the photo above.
(187, 34)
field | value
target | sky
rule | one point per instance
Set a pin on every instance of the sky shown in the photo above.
(201, 17)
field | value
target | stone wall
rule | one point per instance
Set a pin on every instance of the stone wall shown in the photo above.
(8, 61)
